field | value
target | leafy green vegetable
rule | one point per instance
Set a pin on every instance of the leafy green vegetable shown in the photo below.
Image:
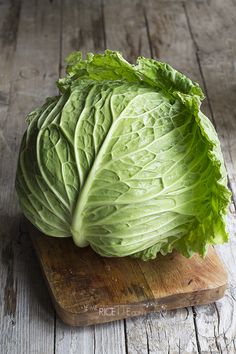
(124, 160)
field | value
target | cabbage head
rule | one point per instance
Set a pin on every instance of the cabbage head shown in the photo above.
(123, 160)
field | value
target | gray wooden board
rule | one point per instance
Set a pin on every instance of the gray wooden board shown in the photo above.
(30, 63)
(215, 45)
(85, 31)
(133, 38)
(198, 38)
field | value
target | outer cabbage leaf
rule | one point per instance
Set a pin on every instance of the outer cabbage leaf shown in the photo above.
(124, 160)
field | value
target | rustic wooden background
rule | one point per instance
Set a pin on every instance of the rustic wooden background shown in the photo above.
(195, 36)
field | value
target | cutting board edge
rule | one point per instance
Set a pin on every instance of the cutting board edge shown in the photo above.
(88, 318)
(198, 297)
(71, 318)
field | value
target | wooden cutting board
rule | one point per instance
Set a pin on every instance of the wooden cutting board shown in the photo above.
(89, 289)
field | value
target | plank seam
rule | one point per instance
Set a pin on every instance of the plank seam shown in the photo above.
(126, 338)
(147, 338)
(103, 25)
(148, 32)
(60, 39)
(94, 340)
(54, 332)
(204, 83)
(196, 330)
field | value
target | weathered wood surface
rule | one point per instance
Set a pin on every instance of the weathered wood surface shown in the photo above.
(29, 65)
(85, 31)
(214, 42)
(89, 289)
(198, 37)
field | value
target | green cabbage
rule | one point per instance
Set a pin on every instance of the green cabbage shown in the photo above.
(123, 160)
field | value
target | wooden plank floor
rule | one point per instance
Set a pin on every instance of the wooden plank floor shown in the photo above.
(198, 38)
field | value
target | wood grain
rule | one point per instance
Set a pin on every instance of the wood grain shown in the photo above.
(197, 38)
(130, 35)
(180, 37)
(88, 289)
(83, 29)
(214, 41)
(29, 68)
(141, 21)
